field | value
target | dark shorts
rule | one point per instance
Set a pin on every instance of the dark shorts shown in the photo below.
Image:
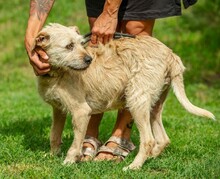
(140, 9)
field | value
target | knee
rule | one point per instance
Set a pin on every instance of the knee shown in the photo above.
(139, 27)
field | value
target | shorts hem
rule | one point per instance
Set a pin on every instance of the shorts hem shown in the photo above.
(140, 15)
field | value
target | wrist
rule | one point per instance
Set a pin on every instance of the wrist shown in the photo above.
(111, 7)
(32, 30)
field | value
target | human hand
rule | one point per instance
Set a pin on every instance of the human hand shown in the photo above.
(37, 57)
(104, 28)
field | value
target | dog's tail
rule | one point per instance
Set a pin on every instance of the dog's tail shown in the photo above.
(177, 69)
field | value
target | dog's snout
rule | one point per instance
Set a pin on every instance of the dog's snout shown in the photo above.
(88, 59)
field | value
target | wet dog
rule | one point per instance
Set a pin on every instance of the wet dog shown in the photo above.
(132, 73)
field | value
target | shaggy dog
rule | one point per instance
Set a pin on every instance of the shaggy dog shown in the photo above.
(132, 73)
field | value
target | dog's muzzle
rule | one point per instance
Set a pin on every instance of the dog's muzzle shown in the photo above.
(87, 59)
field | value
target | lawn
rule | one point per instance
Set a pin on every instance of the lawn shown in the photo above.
(25, 121)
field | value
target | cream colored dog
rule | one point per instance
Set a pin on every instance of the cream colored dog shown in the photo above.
(132, 73)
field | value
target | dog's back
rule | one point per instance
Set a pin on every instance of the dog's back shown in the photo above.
(126, 67)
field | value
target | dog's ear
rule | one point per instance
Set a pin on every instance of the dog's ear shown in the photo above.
(75, 28)
(42, 40)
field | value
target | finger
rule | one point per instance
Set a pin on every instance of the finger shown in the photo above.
(94, 39)
(92, 45)
(37, 63)
(41, 53)
(110, 36)
(40, 72)
(43, 60)
(40, 69)
(100, 39)
(106, 39)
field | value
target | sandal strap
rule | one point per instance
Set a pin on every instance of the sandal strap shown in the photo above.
(89, 152)
(94, 142)
(114, 151)
(122, 150)
(122, 143)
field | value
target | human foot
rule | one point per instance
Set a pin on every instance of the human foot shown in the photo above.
(90, 148)
(114, 149)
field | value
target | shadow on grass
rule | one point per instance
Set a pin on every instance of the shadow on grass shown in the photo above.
(35, 133)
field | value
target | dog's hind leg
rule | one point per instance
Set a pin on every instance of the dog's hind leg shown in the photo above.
(141, 115)
(162, 140)
(80, 120)
(59, 118)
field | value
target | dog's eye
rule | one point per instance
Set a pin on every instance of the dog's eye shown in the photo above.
(70, 46)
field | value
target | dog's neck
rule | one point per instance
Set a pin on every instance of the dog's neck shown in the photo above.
(54, 73)
(60, 73)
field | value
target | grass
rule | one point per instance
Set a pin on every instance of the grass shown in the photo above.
(25, 122)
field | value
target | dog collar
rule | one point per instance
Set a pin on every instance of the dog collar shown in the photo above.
(117, 35)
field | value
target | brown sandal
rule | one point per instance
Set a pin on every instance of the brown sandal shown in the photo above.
(88, 151)
(120, 152)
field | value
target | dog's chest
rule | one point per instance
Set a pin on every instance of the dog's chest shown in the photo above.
(105, 94)
(48, 90)
(102, 104)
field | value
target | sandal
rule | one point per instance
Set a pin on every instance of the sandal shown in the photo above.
(120, 152)
(89, 151)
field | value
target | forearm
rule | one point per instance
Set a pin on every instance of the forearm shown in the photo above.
(112, 7)
(39, 10)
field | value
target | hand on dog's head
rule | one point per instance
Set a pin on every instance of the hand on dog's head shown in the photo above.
(63, 46)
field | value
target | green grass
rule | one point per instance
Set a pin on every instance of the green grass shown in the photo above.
(25, 121)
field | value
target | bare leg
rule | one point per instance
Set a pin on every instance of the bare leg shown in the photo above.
(92, 131)
(122, 129)
(59, 118)
(138, 27)
(93, 127)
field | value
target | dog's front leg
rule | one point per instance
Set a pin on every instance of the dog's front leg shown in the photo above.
(59, 118)
(80, 120)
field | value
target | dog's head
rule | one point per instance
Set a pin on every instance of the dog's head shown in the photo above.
(63, 46)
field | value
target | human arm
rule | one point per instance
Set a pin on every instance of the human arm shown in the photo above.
(39, 10)
(106, 24)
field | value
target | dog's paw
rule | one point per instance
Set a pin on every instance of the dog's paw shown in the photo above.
(71, 160)
(155, 151)
(55, 151)
(158, 148)
(132, 167)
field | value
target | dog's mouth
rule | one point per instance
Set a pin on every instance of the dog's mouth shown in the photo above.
(81, 64)
(78, 68)
(87, 60)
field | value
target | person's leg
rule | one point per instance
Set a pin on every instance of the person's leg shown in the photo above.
(124, 122)
(122, 131)
(138, 27)
(91, 143)
(93, 126)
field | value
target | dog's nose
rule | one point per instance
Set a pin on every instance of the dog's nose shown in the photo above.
(87, 59)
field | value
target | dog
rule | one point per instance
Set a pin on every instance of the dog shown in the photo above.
(133, 73)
